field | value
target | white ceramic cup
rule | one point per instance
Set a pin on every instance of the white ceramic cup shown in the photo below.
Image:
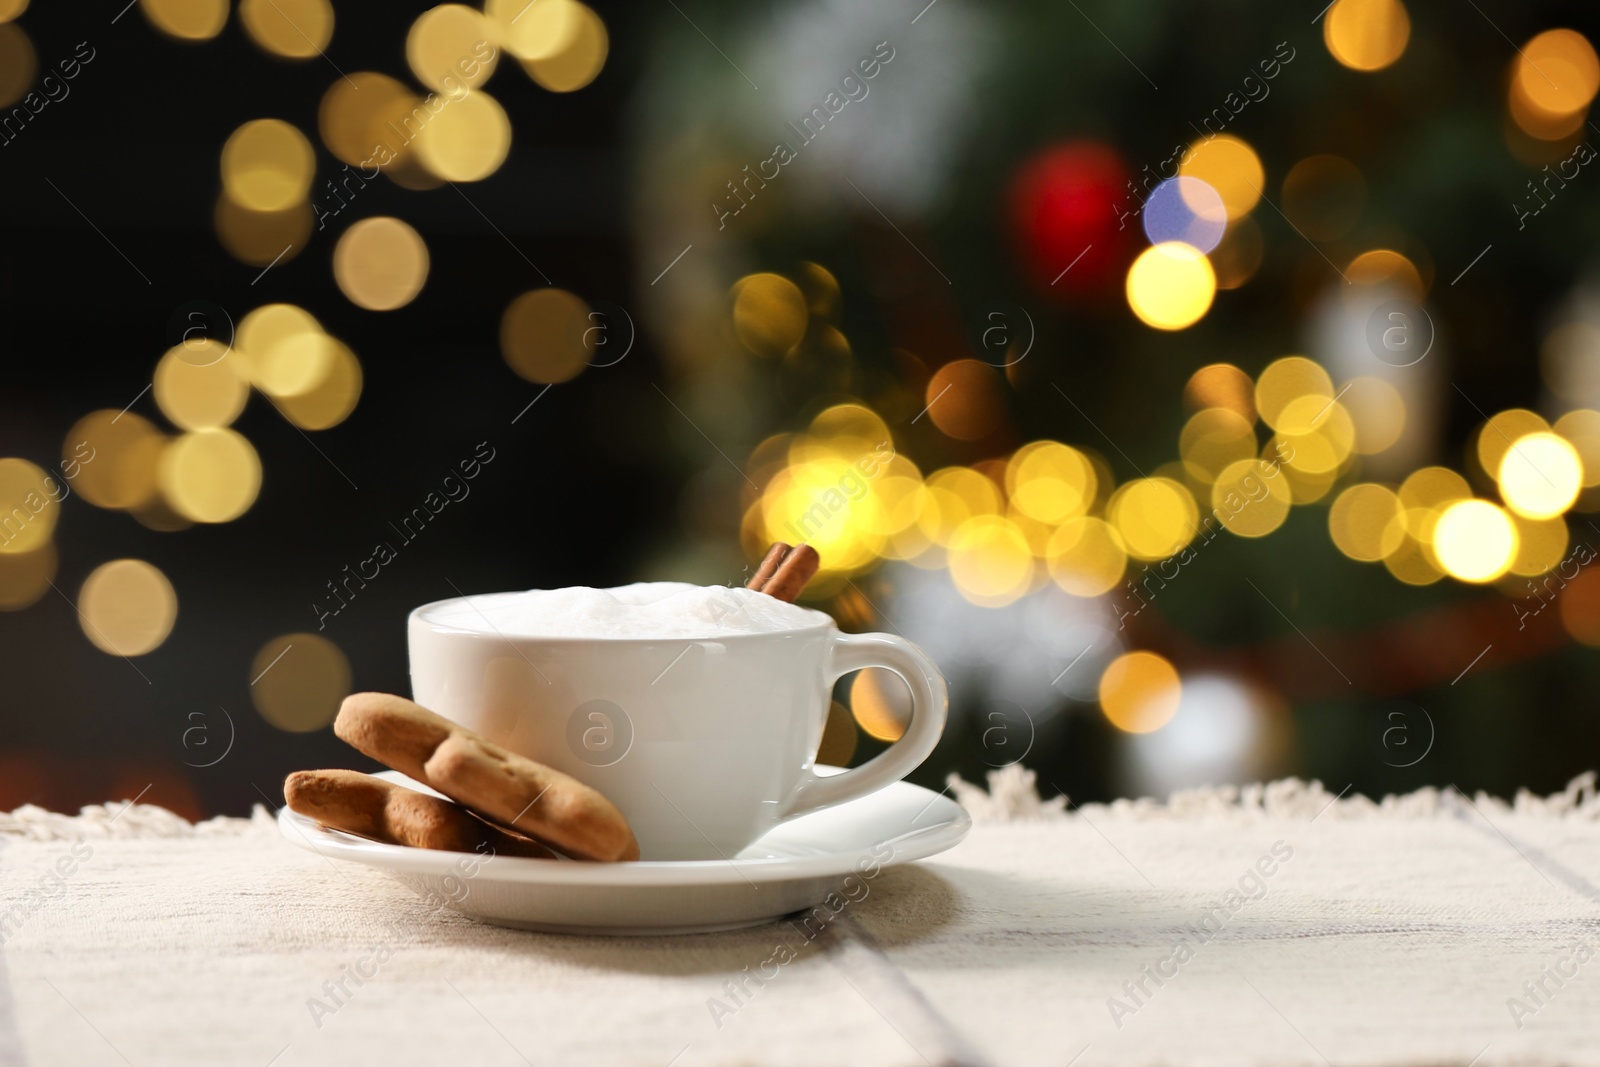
(704, 744)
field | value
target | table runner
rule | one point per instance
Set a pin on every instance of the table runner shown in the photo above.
(1274, 924)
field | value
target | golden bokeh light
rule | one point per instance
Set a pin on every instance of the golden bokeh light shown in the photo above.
(1541, 545)
(290, 29)
(1286, 381)
(1231, 167)
(964, 399)
(1386, 267)
(1050, 482)
(1318, 434)
(899, 501)
(187, 20)
(1171, 285)
(380, 263)
(544, 336)
(1412, 563)
(1433, 487)
(30, 504)
(158, 515)
(1581, 429)
(1086, 557)
(1214, 438)
(18, 63)
(990, 561)
(269, 325)
(466, 140)
(1540, 476)
(1140, 692)
(209, 475)
(769, 314)
(1425, 494)
(1377, 413)
(285, 349)
(1366, 35)
(1155, 517)
(1250, 499)
(956, 495)
(448, 48)
(1474, 541)
(881, 703)
(406, 168)
(1557, 72)
(839, 737)
(1221, 385)
(1312, 413)
(821, 288)
(267, 165)
(331, 400)
(912, 542)
(262, 238)
(1496, 436)
(199, 385)
(1037, 534)
(845, 429)
(26, 576)
(1367, 522)
(535, 30)
(1538, 123)
(1323, 196)
(127, 607)
(1306, 486)
(122, 450)
(363, 111)
(297, 682)
(830, 504)
(10, 9)
(574, 66)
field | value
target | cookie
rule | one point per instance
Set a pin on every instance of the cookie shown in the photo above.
(373, 808)
(502, 786)
(392, 730)
(531, 797)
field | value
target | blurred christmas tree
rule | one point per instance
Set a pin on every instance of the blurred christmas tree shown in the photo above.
(1237, 362)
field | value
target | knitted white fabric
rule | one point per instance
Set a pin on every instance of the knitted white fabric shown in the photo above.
(1270, 924)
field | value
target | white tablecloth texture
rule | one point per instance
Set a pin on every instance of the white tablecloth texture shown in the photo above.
(1272, 924)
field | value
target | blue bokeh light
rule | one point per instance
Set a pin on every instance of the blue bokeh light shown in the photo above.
(1185, 209)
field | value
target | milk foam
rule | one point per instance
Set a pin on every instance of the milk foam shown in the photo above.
(674, 610)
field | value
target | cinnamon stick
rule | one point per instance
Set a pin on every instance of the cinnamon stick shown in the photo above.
(768, 566)
(794, 568)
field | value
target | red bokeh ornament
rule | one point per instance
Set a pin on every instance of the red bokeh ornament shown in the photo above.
(1072, 210)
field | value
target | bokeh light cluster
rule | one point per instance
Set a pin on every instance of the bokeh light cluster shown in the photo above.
(1251, 450)
(1202, 238)
(449, 130)
(1553, 81)
(201, 469)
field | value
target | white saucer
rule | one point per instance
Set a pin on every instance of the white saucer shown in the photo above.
(792, 868)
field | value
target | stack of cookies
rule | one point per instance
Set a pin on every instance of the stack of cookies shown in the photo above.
(498, 799)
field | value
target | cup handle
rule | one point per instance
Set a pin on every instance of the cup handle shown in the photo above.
(929, 706)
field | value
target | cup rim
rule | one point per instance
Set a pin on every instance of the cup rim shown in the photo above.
(416, 615)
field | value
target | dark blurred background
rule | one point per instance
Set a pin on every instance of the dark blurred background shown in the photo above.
(966, 253)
